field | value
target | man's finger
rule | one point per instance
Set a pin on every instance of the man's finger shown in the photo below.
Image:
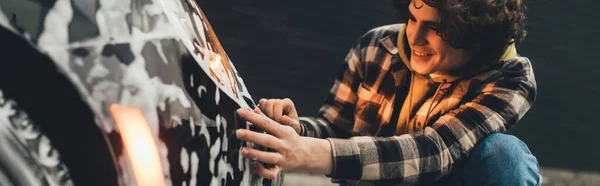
(268, 109)
(259, 138)
(289, 108)
(266, 157)
(264, 172)
(286, 120)
(261, 121)
(290, 122)
(262, 101)
(277, 111)
(261, 104)
(257, 111)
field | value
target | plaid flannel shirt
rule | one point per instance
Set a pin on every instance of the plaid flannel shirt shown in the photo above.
(365, 98)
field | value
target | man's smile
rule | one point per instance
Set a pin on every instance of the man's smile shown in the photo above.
(423, 54)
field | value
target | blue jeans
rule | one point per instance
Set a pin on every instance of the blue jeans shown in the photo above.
(500, 159)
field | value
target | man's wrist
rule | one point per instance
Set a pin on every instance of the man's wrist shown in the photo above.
(320, 154)
(302, 129)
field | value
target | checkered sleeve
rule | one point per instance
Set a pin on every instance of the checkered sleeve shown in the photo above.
(363, 64)
(427, 155)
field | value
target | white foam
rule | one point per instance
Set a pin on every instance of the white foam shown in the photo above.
(194, 168)
(184, 160)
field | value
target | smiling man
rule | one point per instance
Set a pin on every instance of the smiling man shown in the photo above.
(425, 102)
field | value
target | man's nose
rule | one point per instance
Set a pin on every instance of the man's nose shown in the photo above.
(418, 37)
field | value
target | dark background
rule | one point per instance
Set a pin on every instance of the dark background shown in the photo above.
(295, 48)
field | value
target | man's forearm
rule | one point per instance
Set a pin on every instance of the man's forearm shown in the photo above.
(320, 128)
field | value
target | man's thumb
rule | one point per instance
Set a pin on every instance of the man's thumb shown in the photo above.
(286, 120)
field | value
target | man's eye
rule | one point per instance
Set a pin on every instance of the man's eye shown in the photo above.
(433, 27)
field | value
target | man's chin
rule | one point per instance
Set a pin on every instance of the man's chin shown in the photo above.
(420, 69)
(423, 72)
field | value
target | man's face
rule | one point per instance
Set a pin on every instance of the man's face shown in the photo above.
(429, 53)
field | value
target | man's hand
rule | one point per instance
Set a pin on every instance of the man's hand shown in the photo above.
(292, 152)
(282, 111)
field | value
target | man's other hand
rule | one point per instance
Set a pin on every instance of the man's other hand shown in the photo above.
(282, 111)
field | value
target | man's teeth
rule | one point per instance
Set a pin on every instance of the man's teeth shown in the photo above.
(421, 54)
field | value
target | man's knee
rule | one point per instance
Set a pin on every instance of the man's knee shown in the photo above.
(507, 147)
(503, 159)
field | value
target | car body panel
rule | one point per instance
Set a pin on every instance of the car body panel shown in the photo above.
(158, 56)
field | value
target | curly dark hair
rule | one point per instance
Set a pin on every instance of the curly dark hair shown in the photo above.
(485, 26)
